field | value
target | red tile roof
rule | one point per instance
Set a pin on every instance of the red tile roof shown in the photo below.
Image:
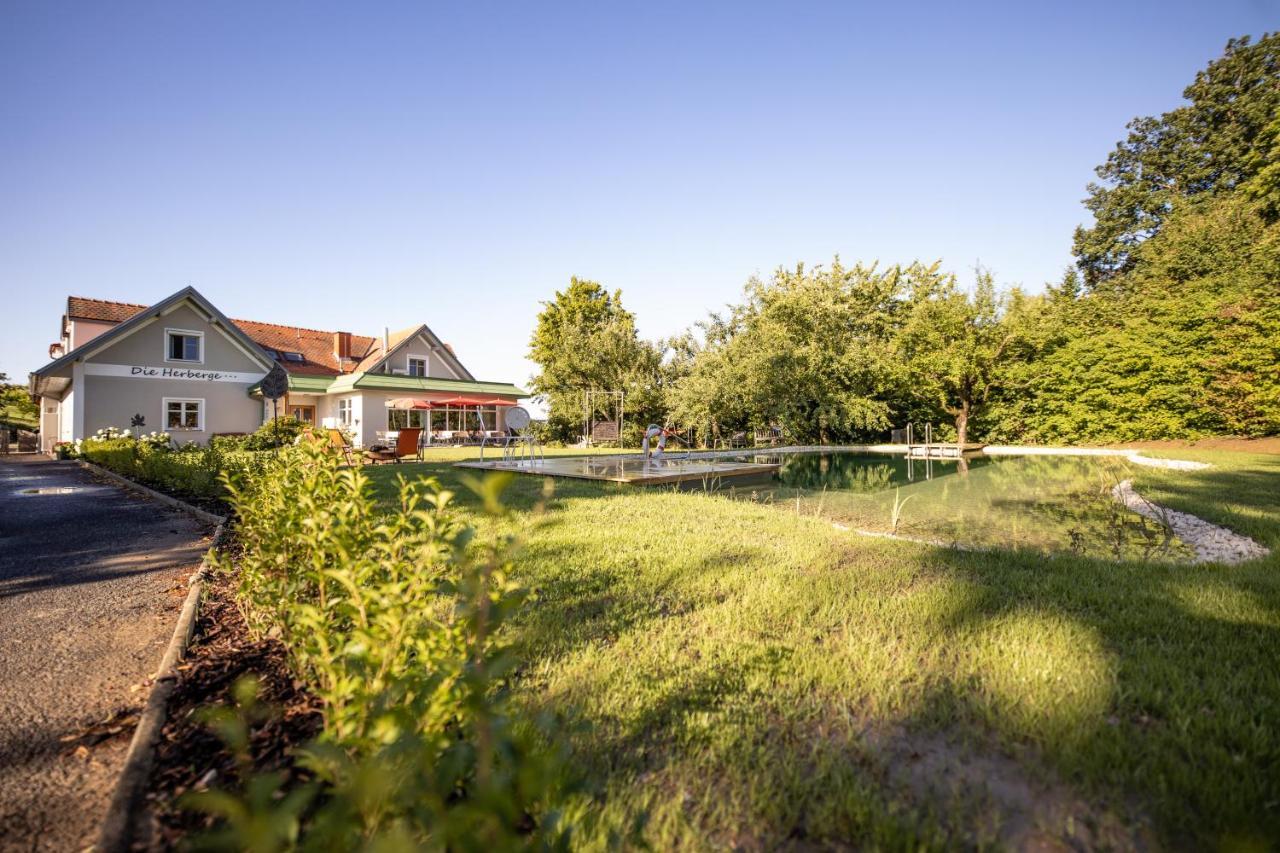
(316, 346)
(83, 308)
(375, 352)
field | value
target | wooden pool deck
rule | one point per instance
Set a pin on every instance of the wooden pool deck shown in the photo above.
(939, 450)
(633, 470)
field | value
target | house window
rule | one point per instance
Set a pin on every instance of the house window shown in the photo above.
(306, 414)
(344, 412)
(183, 414)
(463, 418)
(184, 345)
(406, 418)
(417, 367)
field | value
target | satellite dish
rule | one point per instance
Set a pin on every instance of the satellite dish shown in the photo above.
(517, 418)
(275, 384)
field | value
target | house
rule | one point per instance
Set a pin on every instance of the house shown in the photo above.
(190, 371)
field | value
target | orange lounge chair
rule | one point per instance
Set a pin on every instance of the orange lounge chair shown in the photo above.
(406, 445)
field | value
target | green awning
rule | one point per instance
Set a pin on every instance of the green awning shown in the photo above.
(389, 382)
(301, 384)
(385, 382)
(310, 384)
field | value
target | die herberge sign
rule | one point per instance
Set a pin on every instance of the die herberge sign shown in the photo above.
(186, 374)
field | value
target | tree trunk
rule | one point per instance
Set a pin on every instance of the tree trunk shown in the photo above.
(962, 424)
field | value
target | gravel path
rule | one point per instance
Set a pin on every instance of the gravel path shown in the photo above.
(1212, 544)
(90, 584)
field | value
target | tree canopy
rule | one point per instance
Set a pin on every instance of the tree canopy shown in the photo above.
(1215, 143)
(809, 350)
(17, 409)
(1168, 327)
(585, 339)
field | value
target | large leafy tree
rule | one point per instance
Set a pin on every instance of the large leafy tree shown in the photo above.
(809, 350)
(1211, 145)
(1185, 344)
(16, 406)
(585, 339)
(953, 342)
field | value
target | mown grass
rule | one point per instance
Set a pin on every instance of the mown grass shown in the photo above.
(748, 676)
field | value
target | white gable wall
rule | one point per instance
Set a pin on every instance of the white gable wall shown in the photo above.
(438, 365)
(132, 376)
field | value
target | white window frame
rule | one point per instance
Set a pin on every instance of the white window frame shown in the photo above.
(346, 411)
(164, 414)
(193, 333)
(411, 358)
(422, 418)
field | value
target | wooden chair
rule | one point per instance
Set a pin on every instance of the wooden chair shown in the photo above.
(406, 445)
(338, 439)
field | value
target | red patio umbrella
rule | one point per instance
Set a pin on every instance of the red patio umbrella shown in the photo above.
(474, 401)
(412, 404)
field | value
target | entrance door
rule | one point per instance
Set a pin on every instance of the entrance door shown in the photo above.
(306, 414)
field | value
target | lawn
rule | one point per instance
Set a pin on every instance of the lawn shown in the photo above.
(743, 675)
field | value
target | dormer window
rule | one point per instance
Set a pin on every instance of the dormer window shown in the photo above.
(184, 345)
(292, 356)
(417, 367)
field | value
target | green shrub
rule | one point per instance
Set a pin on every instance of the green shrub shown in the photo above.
(227, 443)
(280, 432)
(191, 471)
(395, 623)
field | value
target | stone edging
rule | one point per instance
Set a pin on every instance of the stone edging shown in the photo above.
(120, 826)
(195, 511)
(1211, 543)
(1134, 456)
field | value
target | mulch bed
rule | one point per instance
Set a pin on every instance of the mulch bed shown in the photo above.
(189, 756)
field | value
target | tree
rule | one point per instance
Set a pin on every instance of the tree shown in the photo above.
(585, 339)
(1212, 145)
(1264, 186)
(809, 350)
(953, 342)
(16, 406)
(1183, 345)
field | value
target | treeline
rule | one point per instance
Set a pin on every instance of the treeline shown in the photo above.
(1168, 326)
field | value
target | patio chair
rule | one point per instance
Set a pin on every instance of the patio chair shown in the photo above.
(406, 445)
(338, 439)
(497, 438)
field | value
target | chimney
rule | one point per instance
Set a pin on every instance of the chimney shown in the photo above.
(342, 345)
(386, 338)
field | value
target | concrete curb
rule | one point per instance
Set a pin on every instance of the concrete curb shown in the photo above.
(120, 827)
(202, 515)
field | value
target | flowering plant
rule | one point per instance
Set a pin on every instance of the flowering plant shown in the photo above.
(157, 440)
(110, 432)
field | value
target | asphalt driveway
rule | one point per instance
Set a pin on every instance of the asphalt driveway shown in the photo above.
(91, 580)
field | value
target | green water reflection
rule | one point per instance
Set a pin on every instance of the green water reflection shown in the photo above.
(1045, 503)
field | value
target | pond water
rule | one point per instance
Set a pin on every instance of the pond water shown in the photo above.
(1043, 503)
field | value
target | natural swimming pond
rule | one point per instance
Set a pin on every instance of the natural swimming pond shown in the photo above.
(1042, 503)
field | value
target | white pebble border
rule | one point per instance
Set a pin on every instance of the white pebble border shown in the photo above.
(1172, 464)
(1134, 456)
(1211, 543)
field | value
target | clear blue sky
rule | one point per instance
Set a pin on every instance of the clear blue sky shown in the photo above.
(361, 165)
